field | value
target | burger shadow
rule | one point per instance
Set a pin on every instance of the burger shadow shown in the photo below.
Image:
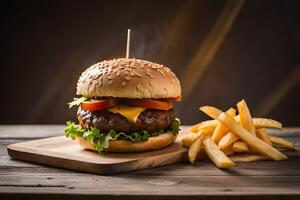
(174, 148)
(145, 164)
(182, 169)
(161, 163)
(232, 171)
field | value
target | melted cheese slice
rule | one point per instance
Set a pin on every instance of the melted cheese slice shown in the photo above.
(129, 112)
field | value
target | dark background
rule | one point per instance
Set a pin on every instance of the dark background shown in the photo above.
(45, 45)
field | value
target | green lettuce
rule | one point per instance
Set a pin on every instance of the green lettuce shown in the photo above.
(77, 101)
(175, 126)
(72, 130)
(100, 141)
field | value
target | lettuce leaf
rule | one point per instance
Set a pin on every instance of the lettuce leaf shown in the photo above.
(72, 130)
(77, 101)
(100, 141)
(175, 126)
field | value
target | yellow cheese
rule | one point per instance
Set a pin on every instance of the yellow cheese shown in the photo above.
(129, 112)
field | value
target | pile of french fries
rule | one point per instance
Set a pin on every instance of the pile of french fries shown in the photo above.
(239, 136)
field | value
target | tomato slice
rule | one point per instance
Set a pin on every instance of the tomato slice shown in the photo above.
(178, 98)
(97, 104)
(151, 103)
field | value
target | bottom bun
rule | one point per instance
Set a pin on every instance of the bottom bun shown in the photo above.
(153, 143)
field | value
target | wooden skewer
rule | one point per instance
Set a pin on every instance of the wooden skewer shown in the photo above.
(128, 44)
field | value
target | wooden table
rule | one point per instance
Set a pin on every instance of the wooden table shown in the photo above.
(258, 180)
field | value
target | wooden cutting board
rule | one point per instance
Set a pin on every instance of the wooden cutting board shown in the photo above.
(65, 153)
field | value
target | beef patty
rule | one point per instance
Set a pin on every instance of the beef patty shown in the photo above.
(151, 120)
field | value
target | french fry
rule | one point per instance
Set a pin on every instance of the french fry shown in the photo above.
(211, 111)
(189, 139)
(263, 135)
(227, 140)
(236, 128)
(194, 128)
(240, 147)
(247, 157)
(249, 138)
(258, 123)
(207, 129)
(228, 151)
(266, 123)
(195, 149)
(237, 118)
(217, 156)
(221, 130)
(231, 112)
(263, 123)
(282, 142)
(208, 124)
(245, 116)
(228, 133)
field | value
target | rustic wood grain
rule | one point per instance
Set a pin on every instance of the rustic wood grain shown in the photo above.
(258, 180)
(65, 153)
(30, 131)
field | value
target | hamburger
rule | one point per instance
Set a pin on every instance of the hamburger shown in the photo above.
(125, 105)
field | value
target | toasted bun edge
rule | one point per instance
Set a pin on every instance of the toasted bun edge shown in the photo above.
(153, 143)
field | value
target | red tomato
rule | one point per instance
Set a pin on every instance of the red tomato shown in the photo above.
(151, 103)
(178, 98)
(97, 104)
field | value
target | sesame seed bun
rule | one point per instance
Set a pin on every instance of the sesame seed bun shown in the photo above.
(128, 78)
(153, 143)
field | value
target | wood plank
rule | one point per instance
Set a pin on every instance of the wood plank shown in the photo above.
(131, 184)
(201, 168)
(52, 194)
(63, 152)
(258, 180)
(30, 131)
(7, 162)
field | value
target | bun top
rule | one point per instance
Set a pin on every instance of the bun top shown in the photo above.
(128, 78)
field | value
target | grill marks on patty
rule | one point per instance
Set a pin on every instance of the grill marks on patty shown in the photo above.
(151, 120)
